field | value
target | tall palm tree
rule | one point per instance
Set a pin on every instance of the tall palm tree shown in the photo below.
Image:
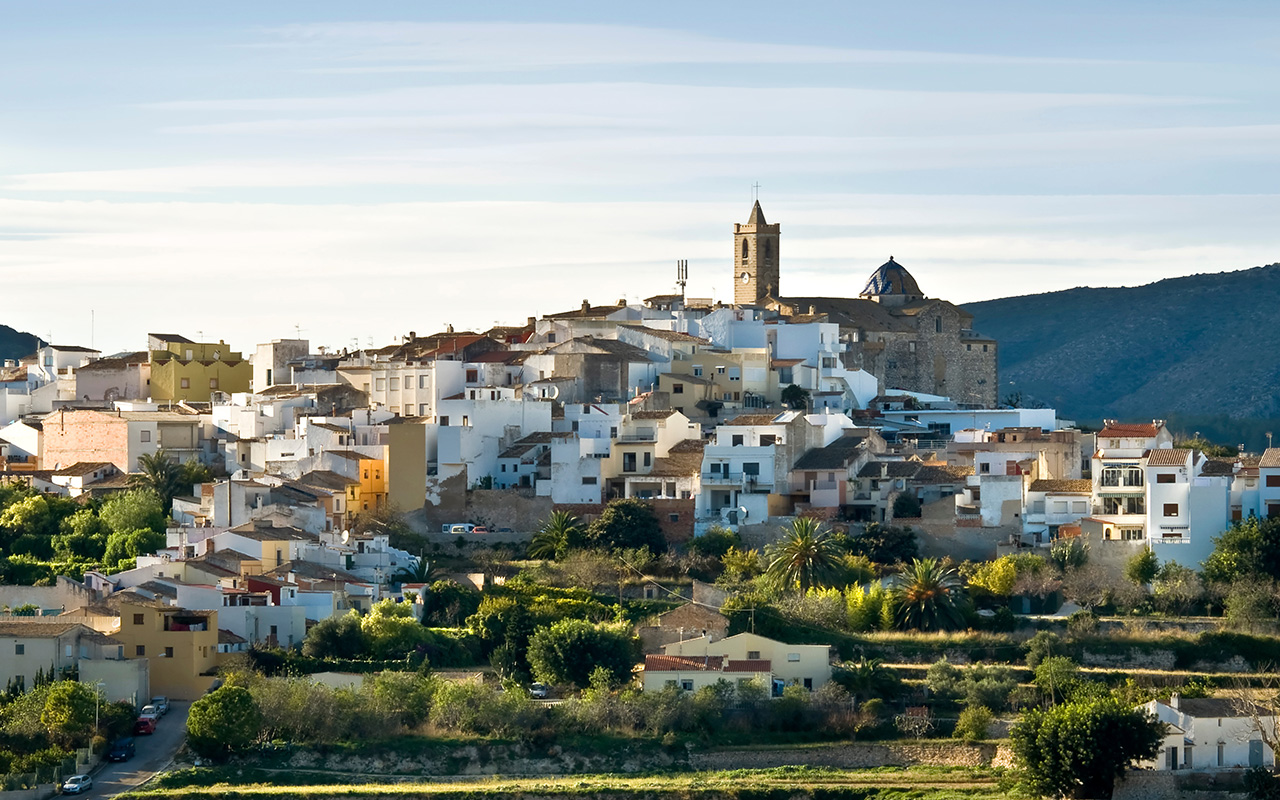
(561, 532)
(805, 557)
(159, 472)
(926, 593)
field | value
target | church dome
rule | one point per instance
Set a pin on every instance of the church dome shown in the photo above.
(891, 278)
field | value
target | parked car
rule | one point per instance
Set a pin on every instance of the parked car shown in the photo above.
(77, 784)
(479, 529)
(539, 691)
(161, 703)
(145, 725)
(150, 711)
(457, 527)
(122, 750)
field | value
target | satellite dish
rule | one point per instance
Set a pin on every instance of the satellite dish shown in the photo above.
(742, 513)
(345, 536)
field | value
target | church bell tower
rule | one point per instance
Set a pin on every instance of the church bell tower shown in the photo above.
(755, 259)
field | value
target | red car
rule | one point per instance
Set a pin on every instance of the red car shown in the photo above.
(144, 725)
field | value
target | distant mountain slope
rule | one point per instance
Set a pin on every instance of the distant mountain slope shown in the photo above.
(1204, 344)
(15, 344)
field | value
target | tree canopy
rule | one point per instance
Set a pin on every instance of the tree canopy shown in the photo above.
(1081, 748)
(224, 721)
(568, 652)
(627, 524)
(805, 557)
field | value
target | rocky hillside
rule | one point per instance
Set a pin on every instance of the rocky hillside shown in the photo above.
(15, 344)
(1195, 346)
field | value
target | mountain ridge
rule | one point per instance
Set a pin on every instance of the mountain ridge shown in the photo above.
(1191, 345)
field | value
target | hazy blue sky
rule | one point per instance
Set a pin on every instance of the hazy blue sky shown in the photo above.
(233, 170)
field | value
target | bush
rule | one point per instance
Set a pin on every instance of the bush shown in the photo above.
(906, 505)
(973, 724)
(568, 652)
(226, 720)
(715, 542)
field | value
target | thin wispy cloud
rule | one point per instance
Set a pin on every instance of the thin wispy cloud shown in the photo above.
(405, 47)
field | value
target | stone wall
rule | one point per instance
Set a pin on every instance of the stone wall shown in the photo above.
(857, 755)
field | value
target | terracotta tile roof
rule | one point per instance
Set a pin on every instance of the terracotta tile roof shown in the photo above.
(1218, 466)
(683, 460)
(753, 419)
(82, 468)
(1117, 431)
(494, 357)
(33, 628)
(941, 473)
(1168, 457)
(837, 455)
(670, 336)
(1066, 486)
(661, 663)
(1271, 458)
(785, 362)
(652, 414)
(230, 637)
(749, 665)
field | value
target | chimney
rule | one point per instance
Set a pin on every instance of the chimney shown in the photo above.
(412, 335)
(813, 311)
(532, 321)
(585, 305)
(448, 329)
(1175, 701)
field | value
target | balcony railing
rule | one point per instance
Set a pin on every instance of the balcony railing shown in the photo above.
(814, 485)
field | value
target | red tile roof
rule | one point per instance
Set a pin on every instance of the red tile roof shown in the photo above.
(750, 665)
(661, 663)
(1117, 431)
(1168, 457)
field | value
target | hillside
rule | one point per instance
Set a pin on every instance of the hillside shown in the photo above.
(1183, 347)
(15, 344)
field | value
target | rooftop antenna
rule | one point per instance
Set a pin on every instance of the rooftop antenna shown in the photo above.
(297, 327)
(682, 275)
(91, 329)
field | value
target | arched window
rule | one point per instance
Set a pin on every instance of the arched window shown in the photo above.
(937, 324)
(746, 249)
(768, 252)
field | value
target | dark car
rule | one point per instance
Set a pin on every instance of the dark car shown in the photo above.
(122, 750)
(145, 725)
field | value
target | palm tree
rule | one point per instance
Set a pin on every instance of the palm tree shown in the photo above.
(421, 571)
(805, 557)
(561, 532)
(926, 594)
(159, 472)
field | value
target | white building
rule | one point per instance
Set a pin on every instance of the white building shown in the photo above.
(1186, 509)
(1209, 733)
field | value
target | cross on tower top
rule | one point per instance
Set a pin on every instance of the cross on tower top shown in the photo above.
(755, 190)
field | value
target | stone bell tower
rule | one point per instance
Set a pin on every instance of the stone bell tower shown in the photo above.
(755, 259)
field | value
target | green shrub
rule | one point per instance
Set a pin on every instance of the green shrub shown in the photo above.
(973, 724)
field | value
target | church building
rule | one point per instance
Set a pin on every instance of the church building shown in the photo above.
(891, 330)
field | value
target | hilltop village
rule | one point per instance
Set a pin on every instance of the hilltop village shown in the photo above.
(758, 503)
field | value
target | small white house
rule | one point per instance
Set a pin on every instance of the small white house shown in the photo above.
(1209, 733)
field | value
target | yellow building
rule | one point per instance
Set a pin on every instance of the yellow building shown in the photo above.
(181, 645)
(185, 370)
(406, 464)
(741, 378)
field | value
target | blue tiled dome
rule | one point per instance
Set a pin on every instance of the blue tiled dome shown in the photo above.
(891, 278)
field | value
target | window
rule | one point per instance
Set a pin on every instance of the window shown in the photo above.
(380, 384)
(697, 370)
(551, 338)
(140, 650)
(588, 481)
(613, 432)
(168, 652)
(746, 249)
(808, 684)
(19, 649)
(1273, 480)
(984, 348)
(891, 364)
(1221, 751)
(984, 468)
(911, 348)
(422, 381)
(753, 655)
(1131, 534)
(968, 347)
(686, 686)
(628, 462)
(720, 370)
(1165, 477)
(422, 409)
(673, 518)
(1080, 506)
(677, 388)
(768, 439)
(648, 459)
(503, 468)
(937, 324)
(737, 440)
(146, 436)
(1059, 506)
(408, 381)
(1171, 509)
(1116, 475)
(751, 468)
(735, 374)
(473, 376)
(444, 421)
(793, 657)
(138, 619)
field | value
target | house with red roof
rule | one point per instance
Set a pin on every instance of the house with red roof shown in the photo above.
(693, 663)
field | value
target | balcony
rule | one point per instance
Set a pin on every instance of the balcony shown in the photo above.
(722, 479)
(641, 436)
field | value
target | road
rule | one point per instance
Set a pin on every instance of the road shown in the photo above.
(154, 752)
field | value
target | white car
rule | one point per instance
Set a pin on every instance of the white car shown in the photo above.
(77, 784)
(161, 703)
(539, 691)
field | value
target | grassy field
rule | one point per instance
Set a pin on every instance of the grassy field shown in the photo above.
(784, 783)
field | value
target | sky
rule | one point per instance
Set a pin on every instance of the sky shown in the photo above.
(347, 173)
